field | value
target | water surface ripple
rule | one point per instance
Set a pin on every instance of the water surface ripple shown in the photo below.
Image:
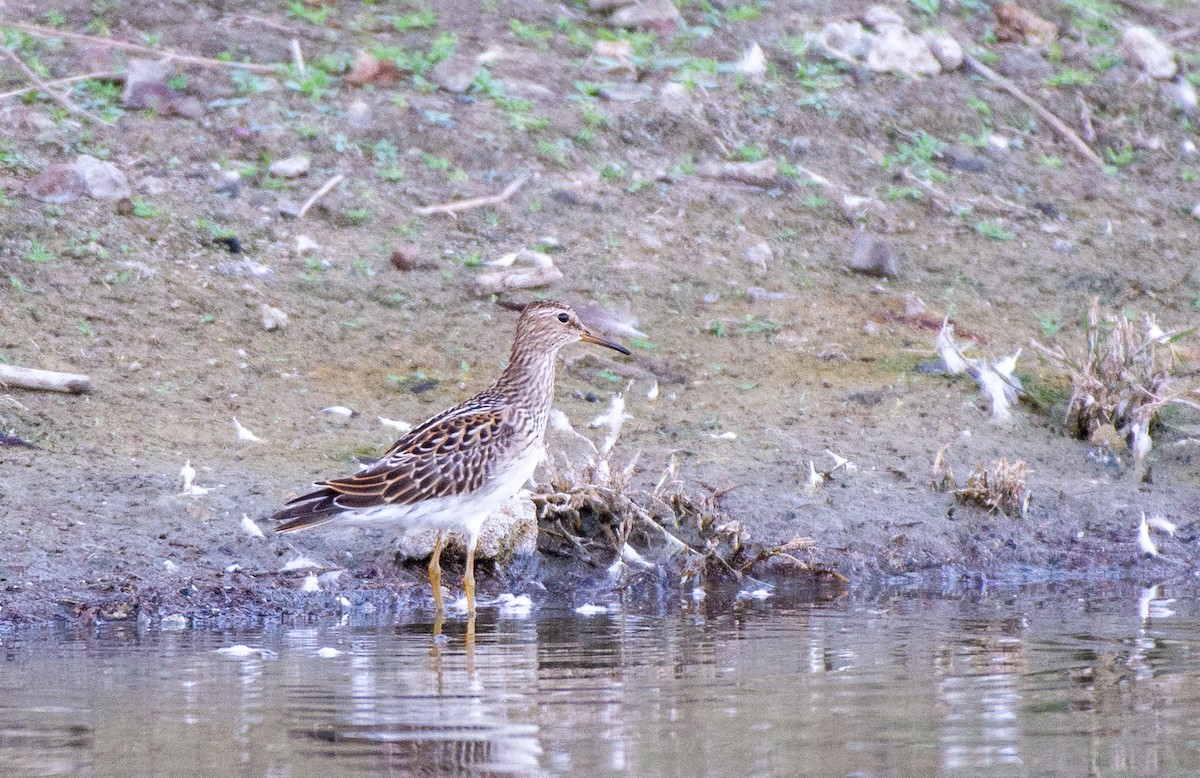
(1048, 682)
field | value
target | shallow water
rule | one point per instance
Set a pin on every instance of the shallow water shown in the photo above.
(1047, 682)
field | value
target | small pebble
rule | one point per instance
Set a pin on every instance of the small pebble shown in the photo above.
(873, 255)
(272, 318)
(102, 180)
(291, 167)
(59, 183)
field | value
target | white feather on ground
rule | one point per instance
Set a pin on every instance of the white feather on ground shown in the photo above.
(997, 378)
(250, 528)
(245, 434)
(1145, 542)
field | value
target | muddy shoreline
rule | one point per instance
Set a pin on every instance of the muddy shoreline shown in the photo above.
(678, 196)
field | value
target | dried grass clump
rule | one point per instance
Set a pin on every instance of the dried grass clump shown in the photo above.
(1000, 487)
(1124, 378)
(590, 509)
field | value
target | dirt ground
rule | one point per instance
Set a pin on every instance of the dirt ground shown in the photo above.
(764, 360)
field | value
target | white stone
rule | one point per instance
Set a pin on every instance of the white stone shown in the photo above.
(305, 245)
(272, 318)
(946, 49)
(759, 255)
(880, 17)
(1149, 53)
(292, 167)
(896, 50)
(102, 180)
(675, 99)
(647, 14)
(845, 39)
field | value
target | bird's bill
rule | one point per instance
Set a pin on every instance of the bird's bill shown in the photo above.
(590, 337)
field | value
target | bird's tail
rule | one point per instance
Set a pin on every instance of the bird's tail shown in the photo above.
(308, 510)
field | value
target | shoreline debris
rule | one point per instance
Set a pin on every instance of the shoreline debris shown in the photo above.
(13, 377)
(996, 377)
(1000, 487)
(452, 209)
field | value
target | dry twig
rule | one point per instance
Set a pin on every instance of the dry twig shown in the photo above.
(1000, 487)
(451, 209)
(105, 75)
(592, 507)
(298, 56)
(1065, 132)
(44, 380)
(1123, 379)
(190, 59)
(42, 86)
(317, 195)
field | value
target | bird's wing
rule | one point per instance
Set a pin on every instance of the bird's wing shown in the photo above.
(451, 454)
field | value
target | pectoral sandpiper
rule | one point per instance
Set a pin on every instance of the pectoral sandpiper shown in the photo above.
(453, 470)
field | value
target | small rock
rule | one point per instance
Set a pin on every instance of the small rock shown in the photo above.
(102, 180)
(845, 38)
(873, 256)
(675, 99)
(187, 106)
(358, 115)
(515, 278)
(1064, 246)
(289, 208)
(246, 268)
(409, 256)
(963, 158)
(1015, 23)
(913, 306)
(529, 90)
(153, 185)
(368, 69)
(1184, 94)
(1196, 211)
(656, 15)
(946, 50)
(759, 255)
(763, 173)
(58, 183)
(146, 85)
(881, 17)
(305, 245)
(291, 167)
(455, 73)
(623, 92)
(621, 51)
(272, 318)
(1149, 53)
(228, 182)
(896, 50)
(1019, 63)
(801, 144)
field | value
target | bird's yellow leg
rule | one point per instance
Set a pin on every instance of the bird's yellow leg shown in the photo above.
(435, 573)
(469, 578)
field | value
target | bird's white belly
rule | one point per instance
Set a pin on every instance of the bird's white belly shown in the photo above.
(462, 512)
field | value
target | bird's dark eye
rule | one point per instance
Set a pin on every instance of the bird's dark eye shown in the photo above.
(564, 317)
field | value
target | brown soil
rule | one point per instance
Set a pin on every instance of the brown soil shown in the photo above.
(140, 296)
